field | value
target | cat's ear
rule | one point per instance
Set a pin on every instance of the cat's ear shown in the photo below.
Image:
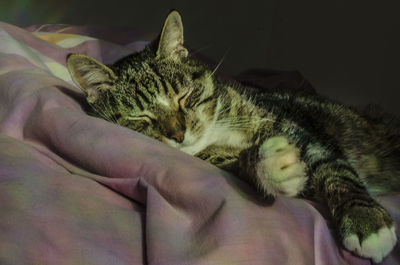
(90, 75)
(170, 43)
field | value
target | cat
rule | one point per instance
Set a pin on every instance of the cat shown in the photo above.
(282, 143)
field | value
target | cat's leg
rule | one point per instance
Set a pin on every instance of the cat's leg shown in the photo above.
(279, 168)
(222, 156)
(274, 167)
(364, 226)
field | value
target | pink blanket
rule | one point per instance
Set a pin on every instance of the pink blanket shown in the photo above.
(78, 190)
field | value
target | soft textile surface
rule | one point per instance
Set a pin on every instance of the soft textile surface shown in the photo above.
(79, 190)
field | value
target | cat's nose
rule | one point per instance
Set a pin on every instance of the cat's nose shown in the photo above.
(178, 136)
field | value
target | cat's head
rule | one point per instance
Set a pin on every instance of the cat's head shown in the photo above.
(161, 91)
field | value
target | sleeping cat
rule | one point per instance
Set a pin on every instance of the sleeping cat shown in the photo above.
(282, 143)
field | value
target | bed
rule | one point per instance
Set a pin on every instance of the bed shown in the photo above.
(75, 189)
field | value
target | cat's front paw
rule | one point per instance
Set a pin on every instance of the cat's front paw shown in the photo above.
(368, 232)
(280, 170)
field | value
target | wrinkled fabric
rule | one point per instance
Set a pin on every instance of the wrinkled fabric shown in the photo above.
(75, 189)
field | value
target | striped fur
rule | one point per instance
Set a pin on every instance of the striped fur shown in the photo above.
(282, 143)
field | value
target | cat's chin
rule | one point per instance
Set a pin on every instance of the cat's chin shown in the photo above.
(170, 142)
(185, 146)
(190, 145)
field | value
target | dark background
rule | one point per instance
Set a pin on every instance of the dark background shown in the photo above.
(348, 49)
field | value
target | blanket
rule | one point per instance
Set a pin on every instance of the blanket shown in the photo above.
(75, 189)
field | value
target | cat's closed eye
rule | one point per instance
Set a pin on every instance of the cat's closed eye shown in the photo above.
(141, 117)
(139, 122)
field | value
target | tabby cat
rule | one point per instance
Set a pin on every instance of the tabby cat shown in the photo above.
(282, 143)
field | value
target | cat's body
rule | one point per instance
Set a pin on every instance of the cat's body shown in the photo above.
(282, 143)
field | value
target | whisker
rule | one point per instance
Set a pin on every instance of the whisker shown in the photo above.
(220, 62)
(201, 49)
